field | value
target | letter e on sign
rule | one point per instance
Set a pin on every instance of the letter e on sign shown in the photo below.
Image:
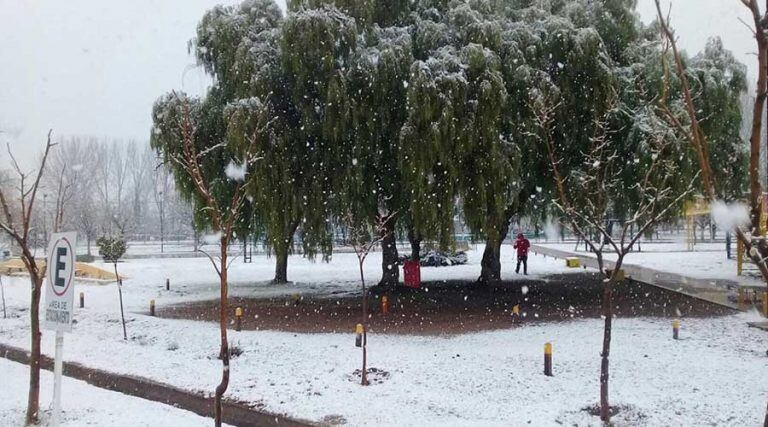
(60, 283)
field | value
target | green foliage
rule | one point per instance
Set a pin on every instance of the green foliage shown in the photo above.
(111, 248)
(365, 107)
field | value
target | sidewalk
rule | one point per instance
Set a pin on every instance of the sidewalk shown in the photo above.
(666, 270)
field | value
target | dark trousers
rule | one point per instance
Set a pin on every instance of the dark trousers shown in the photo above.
(524, 260)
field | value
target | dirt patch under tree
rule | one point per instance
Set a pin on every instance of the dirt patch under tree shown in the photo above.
(453, 307)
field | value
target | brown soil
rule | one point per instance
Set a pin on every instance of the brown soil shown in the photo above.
(453, 307)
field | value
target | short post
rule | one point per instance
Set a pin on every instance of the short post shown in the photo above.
(676, 329)
(516, 310)
(359, 335)
(548, 359)
(765, 304)
(167, 284)
(740, 298)
(82, 300)
(384, 305)
(151, 307)
(238, 319)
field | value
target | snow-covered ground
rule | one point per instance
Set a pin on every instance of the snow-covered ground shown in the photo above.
(712, 376)
(83, 404)
(707, 261)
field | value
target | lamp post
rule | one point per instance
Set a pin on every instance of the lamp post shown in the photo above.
(162, 220)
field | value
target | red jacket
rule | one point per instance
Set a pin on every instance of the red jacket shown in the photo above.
(522, 244)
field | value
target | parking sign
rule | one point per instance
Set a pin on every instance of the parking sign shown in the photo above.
(60, 286)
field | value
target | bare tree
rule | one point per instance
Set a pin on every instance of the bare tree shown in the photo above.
(363, 239)
(592, 188)
(754, 243)
(16, 222)
(222, 219)
(162, 193)
(141, 168)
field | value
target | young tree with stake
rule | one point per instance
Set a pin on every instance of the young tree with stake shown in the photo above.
(186, 143)
(16, 222)
(112, 249)
(363, 239)
(601, 180)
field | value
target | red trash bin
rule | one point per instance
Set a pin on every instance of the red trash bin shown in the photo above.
(412, 273)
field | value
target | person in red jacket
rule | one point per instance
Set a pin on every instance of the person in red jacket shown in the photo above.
(522, 244)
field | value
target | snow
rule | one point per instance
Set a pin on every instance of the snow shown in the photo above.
(727, 216)
(489, 378)
(83, 404)
(707, 261)
(235, 171)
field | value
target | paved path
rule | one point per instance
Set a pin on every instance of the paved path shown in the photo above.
(719, 291)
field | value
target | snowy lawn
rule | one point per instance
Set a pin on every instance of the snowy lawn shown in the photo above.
(711, 376)
(83, 404)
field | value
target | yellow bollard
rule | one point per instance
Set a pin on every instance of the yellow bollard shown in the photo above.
(516, 310)
(238, 319)
(548, 359)
(151, 307)
(359, 335)
(676, 329)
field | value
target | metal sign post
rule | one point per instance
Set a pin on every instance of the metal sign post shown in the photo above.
(59, 303)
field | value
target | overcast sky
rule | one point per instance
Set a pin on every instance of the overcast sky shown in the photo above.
(94, 67)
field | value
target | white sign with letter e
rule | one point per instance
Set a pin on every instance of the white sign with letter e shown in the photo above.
(59, 304)
(60, 289)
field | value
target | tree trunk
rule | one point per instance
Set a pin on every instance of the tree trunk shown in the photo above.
(120, 293)
(224, 350)
(33, 401)
(765, 422)
(281, 267)
(490, 271)
(415, 245)
(364, 374)
(390, 273)
(282, 249)
(605, 408)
